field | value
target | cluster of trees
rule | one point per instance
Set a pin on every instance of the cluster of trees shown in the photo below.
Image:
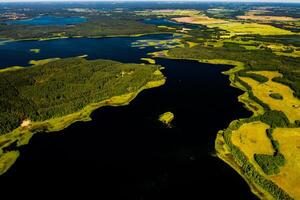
(276, 96)
(253, 59)
(248, 168)
(270, 164)
(65, 86)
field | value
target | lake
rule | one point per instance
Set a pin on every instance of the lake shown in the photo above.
(49, 20)
(124, 152)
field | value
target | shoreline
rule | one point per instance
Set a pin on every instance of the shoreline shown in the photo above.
(22, 135)
(224, 147)
(5, 40)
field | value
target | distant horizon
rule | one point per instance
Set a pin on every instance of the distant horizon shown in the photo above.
(179, 1)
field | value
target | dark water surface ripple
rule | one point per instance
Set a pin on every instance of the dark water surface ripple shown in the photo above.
(125, 153)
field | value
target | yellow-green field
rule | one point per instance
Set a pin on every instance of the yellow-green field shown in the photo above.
(169, 12)
(289, 176)
(290, 105)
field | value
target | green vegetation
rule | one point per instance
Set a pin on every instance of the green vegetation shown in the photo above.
(97, 26)
(261, 65)
(274, 118)
(237, 159)
(47, 90)
(166, 118)
(263, 44)
(257, 77)
(42, 98)
(35, 50)
(149, 60)
(276, 96)
(270, 164)
(7, 159)
(253, 60)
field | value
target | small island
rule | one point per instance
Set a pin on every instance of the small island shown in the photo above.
(166, 118)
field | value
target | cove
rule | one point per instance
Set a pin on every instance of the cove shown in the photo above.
(124, 152)
(115, 48)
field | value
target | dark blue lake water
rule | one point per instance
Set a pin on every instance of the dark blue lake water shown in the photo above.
(161, 22)
(49, 20)
(124, 152)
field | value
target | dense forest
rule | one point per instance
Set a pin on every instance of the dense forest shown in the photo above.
(65, 86)
(96, 26)
(253, 59)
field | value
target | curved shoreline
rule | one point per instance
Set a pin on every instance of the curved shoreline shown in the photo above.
(22, 135)
(224, 147)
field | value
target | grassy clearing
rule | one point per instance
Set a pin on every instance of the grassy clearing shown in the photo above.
(291, 105)
(252, 139)
(158, 44)
(289, 176)
(23, 134)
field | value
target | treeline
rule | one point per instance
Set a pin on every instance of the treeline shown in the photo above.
(65, 86)
(248, 169)
(253, 59)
